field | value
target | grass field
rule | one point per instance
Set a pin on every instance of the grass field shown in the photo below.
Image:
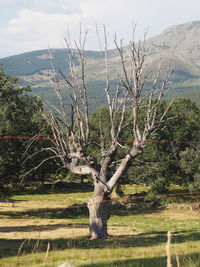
(40, 231)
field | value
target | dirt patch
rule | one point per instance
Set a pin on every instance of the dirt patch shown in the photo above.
(30, 229)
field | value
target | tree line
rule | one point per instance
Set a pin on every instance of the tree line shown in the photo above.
(171, 158)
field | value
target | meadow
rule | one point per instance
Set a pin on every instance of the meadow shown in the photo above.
(40, 230)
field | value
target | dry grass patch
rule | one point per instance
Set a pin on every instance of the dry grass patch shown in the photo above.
(181, 214)
(45, 229)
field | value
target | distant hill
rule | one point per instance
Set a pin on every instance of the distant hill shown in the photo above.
(180, 42)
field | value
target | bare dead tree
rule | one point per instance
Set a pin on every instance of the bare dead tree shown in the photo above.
(71, 128)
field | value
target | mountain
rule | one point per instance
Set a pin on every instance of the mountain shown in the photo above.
(180, 44)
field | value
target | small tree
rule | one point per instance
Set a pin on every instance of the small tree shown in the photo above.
(138, 90)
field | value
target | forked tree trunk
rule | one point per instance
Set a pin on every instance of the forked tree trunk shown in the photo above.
(98, 207)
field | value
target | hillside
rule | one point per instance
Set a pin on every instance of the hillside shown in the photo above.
(180, 42)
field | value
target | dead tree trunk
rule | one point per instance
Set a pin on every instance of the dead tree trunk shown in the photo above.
(73, 144)
(98, 207)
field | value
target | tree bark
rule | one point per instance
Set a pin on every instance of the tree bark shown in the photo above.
(98, 207)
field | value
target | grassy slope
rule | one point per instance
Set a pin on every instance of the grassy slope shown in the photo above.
(139, 235)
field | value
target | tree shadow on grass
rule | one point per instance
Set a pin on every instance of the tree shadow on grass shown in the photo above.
(135, 211)
(177, 236)
(46, 213)
(40, 228)
(184, 260)
(10, 247)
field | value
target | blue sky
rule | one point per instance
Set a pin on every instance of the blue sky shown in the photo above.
(27, 25)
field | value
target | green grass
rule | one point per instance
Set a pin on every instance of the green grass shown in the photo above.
(138, 235)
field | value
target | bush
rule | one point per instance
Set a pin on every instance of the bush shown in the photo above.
(159, 186)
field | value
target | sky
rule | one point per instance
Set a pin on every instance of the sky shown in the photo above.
(27, 25)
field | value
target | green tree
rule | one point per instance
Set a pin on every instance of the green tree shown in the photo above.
(160, 164)
(20, 115)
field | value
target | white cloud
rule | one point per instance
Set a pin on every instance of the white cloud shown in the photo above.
(37, 30)
(40, 23)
